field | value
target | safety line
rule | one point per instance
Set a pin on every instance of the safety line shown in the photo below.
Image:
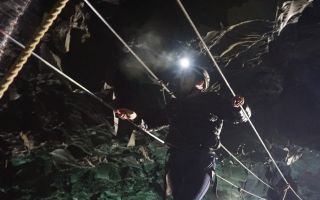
(127, 46)
(13, 24)
(205, 46)
(285, 193)
(239, 188)
(143, 64)
(79, 85)
(253, 174)
(148, 69)
(231, 90)
(104, 103)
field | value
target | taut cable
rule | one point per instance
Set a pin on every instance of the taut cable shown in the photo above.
(23, 58)
(129, 48)
(232, 91)
(80, 86)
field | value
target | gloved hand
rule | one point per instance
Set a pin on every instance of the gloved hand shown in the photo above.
(125, 114)
(238, 101)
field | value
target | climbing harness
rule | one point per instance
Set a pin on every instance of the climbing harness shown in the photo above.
(231, 90)
(23, 58)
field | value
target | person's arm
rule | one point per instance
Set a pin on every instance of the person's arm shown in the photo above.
(229, 110)
(125, 114)
(240, 115)
(157, 121)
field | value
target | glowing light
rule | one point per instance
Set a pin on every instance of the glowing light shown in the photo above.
(184, 63)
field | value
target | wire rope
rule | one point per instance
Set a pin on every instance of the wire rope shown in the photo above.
(232, 91)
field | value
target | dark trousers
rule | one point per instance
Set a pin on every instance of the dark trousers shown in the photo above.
(189, 174)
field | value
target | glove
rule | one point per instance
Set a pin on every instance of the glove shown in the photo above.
(125, 114)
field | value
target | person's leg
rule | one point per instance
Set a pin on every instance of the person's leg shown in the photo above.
(124, 131)
(192, 187)
(204, 185)
(175, 172)
(188, 176)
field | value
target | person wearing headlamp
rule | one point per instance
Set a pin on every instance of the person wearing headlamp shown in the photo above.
(195, 121)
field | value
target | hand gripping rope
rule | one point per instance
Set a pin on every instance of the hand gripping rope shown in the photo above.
(129, 49)
(78, 84)
(109, 106)
(231, 90)
(154, 76)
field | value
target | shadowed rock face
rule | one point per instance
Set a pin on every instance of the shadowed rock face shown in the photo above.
(57, 143)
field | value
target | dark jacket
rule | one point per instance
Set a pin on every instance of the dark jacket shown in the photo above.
(196, 121)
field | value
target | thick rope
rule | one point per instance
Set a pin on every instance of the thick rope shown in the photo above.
(231, 90)
(239, 188)
(23, 58)
(46, 27)
(99, 99)
(151, 73)
(79, 85)
(110, 107)
(129, 49)
(253, 174)
(147, 68)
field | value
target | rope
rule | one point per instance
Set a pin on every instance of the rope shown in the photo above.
(231, 90)
(152, 74)
(157, 79)
(79, 85)
(253, 174)
(129, 49)
(285, 192)
(205, 47)
(45, 26)
(109, 106)
(239, 188)
(22, 59)
(295, 193)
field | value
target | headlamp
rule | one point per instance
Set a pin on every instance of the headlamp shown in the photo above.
(184, 63)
